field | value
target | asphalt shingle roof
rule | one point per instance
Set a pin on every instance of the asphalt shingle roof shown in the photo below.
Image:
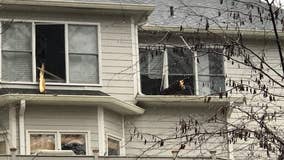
(186, 13)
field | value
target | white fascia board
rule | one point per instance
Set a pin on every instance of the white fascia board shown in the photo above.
(104, 101)
(76, 4)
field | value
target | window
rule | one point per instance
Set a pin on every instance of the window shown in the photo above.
(59, 140)
(69, 53)
(172, 71)
(113, 146)
(2, 147)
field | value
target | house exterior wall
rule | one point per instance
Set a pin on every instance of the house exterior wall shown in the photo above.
(116, 49)
(63, 118)
(244, 149)
(162, 122)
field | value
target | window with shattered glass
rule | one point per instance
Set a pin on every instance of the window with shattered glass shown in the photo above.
(151, 69)
(113, 147)
(74, 142)
(210, 71)
(180, 68)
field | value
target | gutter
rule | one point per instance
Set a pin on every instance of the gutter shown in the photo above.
(246, 32)
(87, 5)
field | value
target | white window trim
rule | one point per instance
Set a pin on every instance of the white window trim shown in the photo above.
(57, 134)
(65, 23)
(116, 138)
(165, 71)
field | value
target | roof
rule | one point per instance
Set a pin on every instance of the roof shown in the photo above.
(187, 14)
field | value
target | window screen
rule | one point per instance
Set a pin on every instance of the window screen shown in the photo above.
(17, 52)
(83, 54)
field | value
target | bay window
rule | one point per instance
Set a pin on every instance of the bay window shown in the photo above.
(181, 71)
(69, 52)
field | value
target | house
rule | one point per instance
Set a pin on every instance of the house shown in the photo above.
(118, 75)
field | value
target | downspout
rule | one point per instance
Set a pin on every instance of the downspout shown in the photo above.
(13, 128)
(22, 126)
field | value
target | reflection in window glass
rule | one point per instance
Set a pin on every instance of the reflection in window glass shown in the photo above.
(17, 52)
(42, 142)
(74, 142)
(210, 71)
(113, 147)
(83, 54)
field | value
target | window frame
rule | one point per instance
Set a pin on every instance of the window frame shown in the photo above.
(3, 137)
(57, 134)
(66, 24)
(195, 64)
(116, 138)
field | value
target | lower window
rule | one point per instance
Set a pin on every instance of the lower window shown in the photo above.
(2, 147)
(113, 146)
(58, 140)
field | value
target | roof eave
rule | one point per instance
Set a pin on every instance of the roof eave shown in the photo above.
(108, 102)
(87, 5)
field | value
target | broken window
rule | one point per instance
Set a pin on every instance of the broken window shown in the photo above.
(172, 71)
(17, 52)
(180, 68)
(151, 64)
(41, 142)
(50, 51)
(210, 71)
(74, 142)
(113, 146)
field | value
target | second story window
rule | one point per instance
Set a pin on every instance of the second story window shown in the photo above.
(179, 71)
(69, 52)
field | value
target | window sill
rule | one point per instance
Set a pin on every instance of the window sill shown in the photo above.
(53, 84)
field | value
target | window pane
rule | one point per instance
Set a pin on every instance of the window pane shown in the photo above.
(16, 66)
(74, 142)
(203, 65)
(83, 68)
(180, 61)
(217, 84)
(113, 147)
(216, 63)
(151, 70)
(2, 146)
(83, 39)
(42, 142)
(17, 37)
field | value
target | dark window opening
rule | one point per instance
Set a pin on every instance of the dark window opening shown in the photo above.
(50, 51)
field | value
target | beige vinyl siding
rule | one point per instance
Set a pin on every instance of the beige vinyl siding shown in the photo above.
(113, 124)
(116, 48)
(162, 121)
(67, 118)
(237, 72)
